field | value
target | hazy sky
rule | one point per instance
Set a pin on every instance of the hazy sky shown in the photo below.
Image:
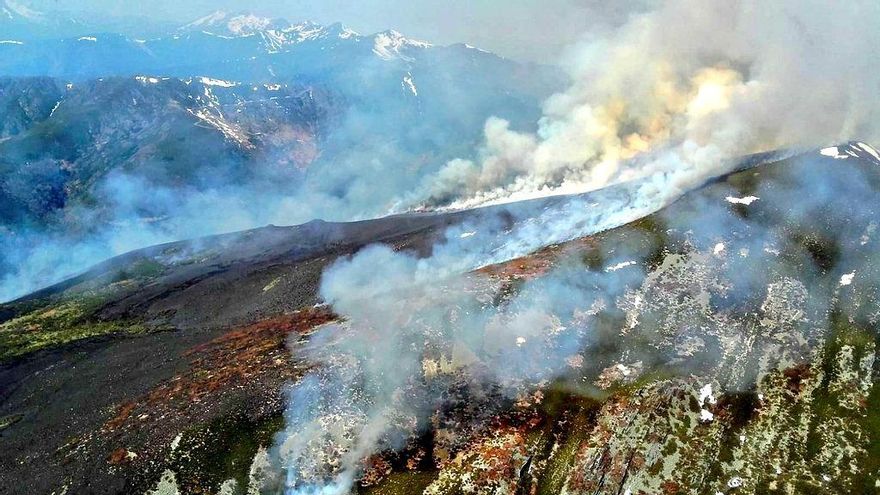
(534, 29)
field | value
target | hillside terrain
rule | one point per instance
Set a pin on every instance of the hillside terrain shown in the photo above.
(731, 349)
(109, 142)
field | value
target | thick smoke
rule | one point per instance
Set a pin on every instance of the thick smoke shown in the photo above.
(407, 342)
(657, 107)
(702, 81)
(361, 160)
(417, 331)
(678, 90)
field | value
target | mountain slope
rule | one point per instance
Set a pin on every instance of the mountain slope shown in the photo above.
(147, 132)
(737, 338)
(66, 140)
(20, 23)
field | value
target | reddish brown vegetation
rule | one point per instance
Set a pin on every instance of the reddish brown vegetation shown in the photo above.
(237, 358)
(118, 456)
(538, 263)
(796, 375)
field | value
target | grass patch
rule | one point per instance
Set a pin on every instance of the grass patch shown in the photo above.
(52, 326)
(7, 421)
(402, 483)
(221, 450)
(143, 269)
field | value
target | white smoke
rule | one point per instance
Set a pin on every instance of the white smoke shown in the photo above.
(699, 82)
(408, 338)
(658, 106)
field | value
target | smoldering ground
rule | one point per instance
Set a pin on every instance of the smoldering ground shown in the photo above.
(655, 113)
(700, 287)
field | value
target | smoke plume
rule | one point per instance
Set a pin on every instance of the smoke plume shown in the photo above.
(656, 108)
(697, 82)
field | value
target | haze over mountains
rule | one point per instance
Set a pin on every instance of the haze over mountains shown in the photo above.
(110, 142)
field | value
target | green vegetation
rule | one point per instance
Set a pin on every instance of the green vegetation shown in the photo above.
(579, 414)
(51, 326)
(141, 269)
(402, 483)
(221, 450)
(870, 424)
(7, 421)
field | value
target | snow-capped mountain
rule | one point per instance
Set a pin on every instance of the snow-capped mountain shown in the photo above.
(277, 34)
(242, 24)
(236, 44)
(227, 102)
(18, 22)
(382, 67)
(12, 10)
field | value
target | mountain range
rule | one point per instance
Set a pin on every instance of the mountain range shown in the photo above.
(224, 106)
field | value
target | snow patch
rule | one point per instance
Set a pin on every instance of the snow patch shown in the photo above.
(719, 248)
(833, 152)
(742, 201)
(207, 81)
(176, 442)
(619, 266)
(472, 47)
(706, 394)
(230, 131)
(247, 24)
(389, 45)
(870, 150)
(467, 234)
(408, 84)
(847, 279)
(147, 80)
(87, 38)
(11, 42)
(167, 485)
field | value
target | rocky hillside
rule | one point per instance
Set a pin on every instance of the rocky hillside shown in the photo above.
(731, 349)
(61, 141)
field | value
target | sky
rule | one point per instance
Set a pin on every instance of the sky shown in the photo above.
(536, 30)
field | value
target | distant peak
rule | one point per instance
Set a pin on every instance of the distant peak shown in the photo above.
(237, 24)
(12, 9)
(341, 30)
(391, 44)
(214, 17)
